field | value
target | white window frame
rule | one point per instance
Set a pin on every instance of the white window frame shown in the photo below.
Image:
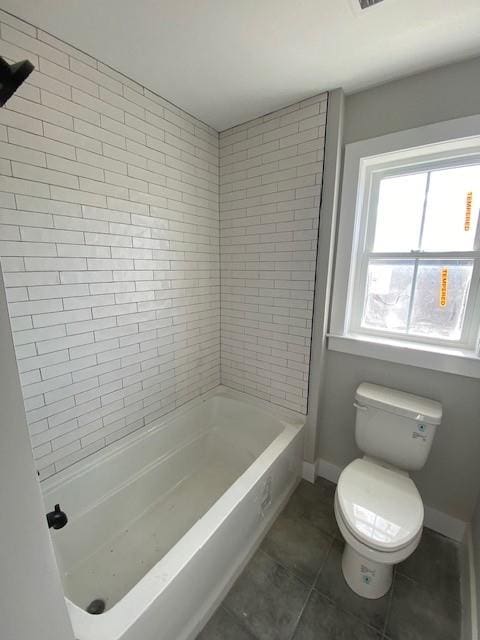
(363, 160)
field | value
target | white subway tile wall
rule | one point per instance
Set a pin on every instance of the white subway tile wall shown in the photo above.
(270, 186)
(109, 244)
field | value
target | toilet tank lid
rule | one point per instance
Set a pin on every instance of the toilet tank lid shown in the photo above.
(399, 402)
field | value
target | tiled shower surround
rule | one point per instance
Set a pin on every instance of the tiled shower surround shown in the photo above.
(109, 244)
(270, 185)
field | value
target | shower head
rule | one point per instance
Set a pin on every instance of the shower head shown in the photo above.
(12, 76)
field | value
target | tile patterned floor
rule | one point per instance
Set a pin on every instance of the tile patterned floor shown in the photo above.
(293, 588)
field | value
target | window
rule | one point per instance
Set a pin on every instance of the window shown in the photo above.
(407, 273)
(417, 269)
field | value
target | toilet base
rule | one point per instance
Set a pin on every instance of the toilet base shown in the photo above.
(367, 578)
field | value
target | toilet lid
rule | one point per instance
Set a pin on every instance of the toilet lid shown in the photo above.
(381, 507)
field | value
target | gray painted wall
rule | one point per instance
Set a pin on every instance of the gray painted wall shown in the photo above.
(31, 596)
(440, 94)
(449, 482)
(476, 549)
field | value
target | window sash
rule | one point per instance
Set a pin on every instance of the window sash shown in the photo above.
(472, 308)
(367, 226)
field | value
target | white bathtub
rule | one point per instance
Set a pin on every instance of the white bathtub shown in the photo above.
(161, 523)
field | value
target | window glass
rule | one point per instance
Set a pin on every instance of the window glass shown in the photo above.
(387, 298)
(451, 215)
(439, 298)
(399, 212)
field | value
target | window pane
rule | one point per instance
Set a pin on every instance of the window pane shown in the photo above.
(387, 297)
(399, 212)
(440, 297)
(451, 215)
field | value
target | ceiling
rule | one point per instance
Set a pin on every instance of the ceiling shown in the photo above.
(227, 61)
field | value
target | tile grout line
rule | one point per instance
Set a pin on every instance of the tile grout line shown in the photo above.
(338, 607)
(312, 589)
(289, 572)
(389, 606)
(379, 633)
(426, 587)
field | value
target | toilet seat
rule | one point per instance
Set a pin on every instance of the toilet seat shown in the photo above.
(380, 506)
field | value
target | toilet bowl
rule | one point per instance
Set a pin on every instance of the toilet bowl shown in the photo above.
(378, 508)
(380, 515)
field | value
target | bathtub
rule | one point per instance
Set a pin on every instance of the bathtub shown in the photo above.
(162, 522)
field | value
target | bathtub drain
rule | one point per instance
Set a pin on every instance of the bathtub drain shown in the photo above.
(96, 606)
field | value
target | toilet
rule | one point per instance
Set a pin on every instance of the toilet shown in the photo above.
(378, 508)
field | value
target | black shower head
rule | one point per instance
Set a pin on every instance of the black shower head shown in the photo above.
(12, 76)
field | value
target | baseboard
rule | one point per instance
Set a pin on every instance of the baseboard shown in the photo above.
(468, 589)
(309, 471)
(443, 523)
(328, 470)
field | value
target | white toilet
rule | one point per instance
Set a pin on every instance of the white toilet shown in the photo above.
(377, 506)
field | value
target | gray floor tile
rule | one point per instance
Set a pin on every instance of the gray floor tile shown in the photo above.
(325, 489)
(417, 613)
(435, 563)
(331, 584)
(313, 503)
(223, 626)
(322, 620)
(267, 599)
(298, 545)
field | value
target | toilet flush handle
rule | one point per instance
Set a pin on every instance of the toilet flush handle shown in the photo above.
(360, 406)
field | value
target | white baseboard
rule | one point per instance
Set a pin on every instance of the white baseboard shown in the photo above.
(443, 523)
(309, 471)
(449, 526)
(328, 470)
(468, 589)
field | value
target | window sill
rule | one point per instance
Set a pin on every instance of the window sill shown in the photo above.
(456, 361)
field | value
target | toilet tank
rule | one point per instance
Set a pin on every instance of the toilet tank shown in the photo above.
(395, 427)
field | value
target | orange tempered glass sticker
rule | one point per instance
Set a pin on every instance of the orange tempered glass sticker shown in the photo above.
(468, 211)
(443, 287)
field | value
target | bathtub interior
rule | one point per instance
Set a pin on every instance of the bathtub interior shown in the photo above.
(127, 510)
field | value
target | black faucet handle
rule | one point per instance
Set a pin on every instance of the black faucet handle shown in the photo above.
(57, 518)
